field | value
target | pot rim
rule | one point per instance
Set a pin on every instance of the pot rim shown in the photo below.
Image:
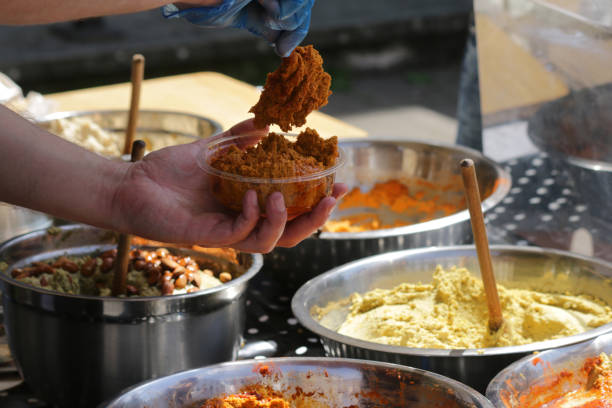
(256, 265)
(304, 317)
(287, 362)
(503, 188)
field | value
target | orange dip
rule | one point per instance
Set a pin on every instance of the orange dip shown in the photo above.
(421, 201)
(246, 401)
(591, 387)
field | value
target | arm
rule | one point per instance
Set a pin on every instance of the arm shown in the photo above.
(42, 171)
(52, 11)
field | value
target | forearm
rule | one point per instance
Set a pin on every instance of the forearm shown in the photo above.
(51, 11)
(46, 173)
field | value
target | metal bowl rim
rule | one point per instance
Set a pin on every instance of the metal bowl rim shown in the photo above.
(358, 363)
(306, 320)
(77, 113)
(257, 264)
(501, 377)
(496, 197)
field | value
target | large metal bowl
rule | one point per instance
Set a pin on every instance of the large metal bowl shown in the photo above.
(516, 380)
(576, 131)
(336, 383)
(475, 367)
(79, 350)
(372, 161)
(156, 128)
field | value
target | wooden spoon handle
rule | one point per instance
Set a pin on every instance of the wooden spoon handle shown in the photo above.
(137, 76)
(472, 195)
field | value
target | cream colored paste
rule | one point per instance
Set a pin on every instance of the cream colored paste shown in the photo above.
(451, 313)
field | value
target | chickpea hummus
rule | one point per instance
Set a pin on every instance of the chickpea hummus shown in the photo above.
(451, 313)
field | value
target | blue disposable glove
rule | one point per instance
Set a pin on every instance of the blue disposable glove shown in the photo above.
(283, 23)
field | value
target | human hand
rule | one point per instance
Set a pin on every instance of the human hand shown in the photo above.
(166, 197)
(283, 23)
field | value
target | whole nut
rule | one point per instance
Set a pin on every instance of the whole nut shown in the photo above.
(225, 277)
(40, 268)
(180, 282)
(169, 263)
(140, 264)
(107, 264)
(16, 272)
(111, 253)
(161, 252)
(88, 268)
(66, 264)
(178, 271)
(131, 290)
(153, 275)
(43, 281)
(167, 276)
(167, 287)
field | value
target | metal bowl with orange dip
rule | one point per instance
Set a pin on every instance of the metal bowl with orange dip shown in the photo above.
(301, 167)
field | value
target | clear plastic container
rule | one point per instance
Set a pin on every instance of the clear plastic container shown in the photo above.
(301, 193)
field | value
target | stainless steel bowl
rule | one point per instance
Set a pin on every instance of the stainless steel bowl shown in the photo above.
(154, 127)
(576, 131)
(79, 350)
(372, 161)
(341, 382)
(474, 367)
(542, 368)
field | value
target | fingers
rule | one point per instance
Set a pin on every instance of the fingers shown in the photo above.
(288, 40)
(265, 237)
(304, 225)
(286, 14)
(339, 190)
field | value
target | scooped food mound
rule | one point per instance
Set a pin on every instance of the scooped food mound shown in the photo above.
(451, 313)
(277, 157)
(296, 88)
(150, 273)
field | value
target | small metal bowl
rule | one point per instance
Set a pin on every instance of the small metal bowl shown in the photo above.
(516, 380)
(75, 350)
(372, 161)
(157, 128)
(475, 367)
(334, 382)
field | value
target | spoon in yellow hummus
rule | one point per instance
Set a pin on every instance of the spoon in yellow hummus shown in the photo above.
(472, 194)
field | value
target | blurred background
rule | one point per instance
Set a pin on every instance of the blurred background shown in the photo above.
(392, 62)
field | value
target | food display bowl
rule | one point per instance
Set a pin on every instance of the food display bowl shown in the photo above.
(77, 350)
(512, 387)
(301, 193)
(369, 162)
(475, 367)
(157, 129)
(309, 382)
(576, 132)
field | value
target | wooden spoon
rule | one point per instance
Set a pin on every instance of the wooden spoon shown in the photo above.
(125, 240)
(472, 195)
(137, 76)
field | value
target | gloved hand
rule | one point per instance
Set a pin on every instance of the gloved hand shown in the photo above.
(283, 23)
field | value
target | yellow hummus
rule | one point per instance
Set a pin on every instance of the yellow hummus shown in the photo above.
(451, 313)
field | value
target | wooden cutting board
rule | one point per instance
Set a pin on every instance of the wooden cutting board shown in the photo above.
(208, 94)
